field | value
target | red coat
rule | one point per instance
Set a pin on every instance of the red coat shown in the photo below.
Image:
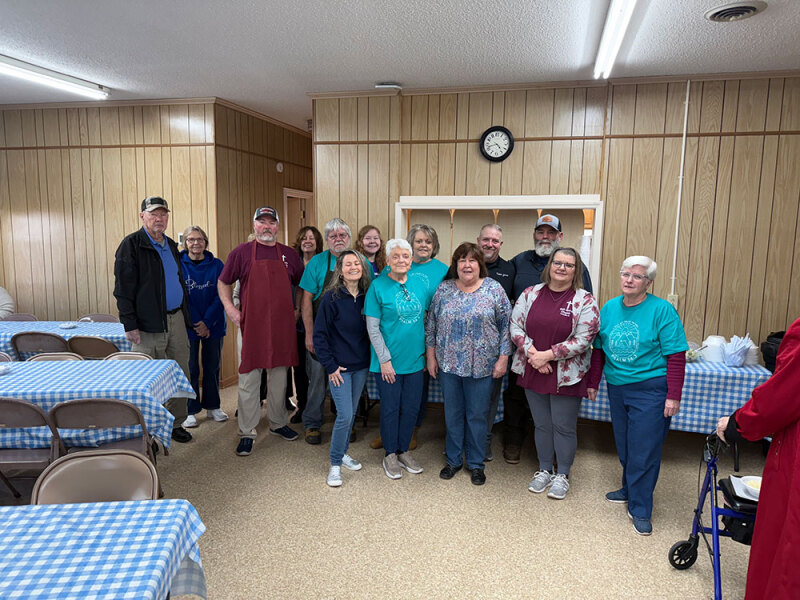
(774, 409)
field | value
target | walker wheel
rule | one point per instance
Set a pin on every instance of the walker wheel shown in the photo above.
(683, 554)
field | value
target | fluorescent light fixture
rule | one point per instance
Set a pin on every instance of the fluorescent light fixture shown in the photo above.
(619, 15)
(28, 72)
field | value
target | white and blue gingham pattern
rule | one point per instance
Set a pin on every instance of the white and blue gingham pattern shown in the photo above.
(100, 550)
(113, 332)
(710, 390)
(145, 383)
(434, 392)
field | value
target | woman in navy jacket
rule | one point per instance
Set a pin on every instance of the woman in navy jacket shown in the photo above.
(342, 345)
(209, 324)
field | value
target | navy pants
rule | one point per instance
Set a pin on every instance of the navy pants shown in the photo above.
(399, 408)
(209, 352)
(637, 416)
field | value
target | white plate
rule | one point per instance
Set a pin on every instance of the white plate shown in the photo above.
(5, 369)
(67, 326)
(743, 491)
(752, 486)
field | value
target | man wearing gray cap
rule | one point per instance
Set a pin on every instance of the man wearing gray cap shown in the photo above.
(268, 273)
(547, 236)
(151, 297)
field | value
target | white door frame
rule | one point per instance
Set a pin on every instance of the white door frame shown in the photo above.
(545, 202)
(293, 193)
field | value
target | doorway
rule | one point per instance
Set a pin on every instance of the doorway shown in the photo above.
(299, 210)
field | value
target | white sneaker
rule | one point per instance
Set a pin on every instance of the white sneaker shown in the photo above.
(348, 462)
(335, 476)
(217, 415)
(190, 421)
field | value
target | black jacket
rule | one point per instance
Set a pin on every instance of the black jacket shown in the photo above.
(139, 284)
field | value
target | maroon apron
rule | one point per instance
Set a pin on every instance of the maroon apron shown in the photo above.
(269, 338)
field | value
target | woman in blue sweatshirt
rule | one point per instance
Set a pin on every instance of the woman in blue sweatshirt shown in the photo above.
(342, 346)
(208, 317)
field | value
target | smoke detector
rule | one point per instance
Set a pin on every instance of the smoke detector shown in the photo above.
(735, 11)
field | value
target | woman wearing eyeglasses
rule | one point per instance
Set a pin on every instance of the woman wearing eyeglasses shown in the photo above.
(553, 326)
(467, 349)
(395, 310)
(642, 342)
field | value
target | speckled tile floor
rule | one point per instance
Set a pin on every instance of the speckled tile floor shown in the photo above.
(276, 530)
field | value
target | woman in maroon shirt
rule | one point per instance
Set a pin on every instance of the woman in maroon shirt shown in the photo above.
(553, 326)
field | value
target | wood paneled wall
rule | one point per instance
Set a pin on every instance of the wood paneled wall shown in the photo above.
(248, 150)
(738, 267)
(71, 184)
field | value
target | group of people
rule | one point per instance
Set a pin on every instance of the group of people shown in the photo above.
(391, 308)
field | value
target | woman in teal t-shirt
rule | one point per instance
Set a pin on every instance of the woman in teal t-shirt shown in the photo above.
(395, 310)
(642, 340)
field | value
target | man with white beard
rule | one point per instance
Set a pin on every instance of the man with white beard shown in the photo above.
(529, 266)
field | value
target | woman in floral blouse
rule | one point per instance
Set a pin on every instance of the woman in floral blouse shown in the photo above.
(467, 341)
(553, 326)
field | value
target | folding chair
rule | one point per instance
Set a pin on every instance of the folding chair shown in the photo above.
(97, 476)
(5, 357)
(16, 414)
(129, 356)
(54, 356)
(36, 342)
(91, 347)
(99, 318)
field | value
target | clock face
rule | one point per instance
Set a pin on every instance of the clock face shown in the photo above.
(496, 143)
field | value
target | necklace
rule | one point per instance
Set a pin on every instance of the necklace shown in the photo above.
(557, 297)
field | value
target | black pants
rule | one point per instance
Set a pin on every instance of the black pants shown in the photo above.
(516, 413)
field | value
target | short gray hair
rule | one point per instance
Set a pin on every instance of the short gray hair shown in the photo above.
(427, 230)
(396, 243)
(192, 228)
(494, 226)
(335, 225)
(642, 261)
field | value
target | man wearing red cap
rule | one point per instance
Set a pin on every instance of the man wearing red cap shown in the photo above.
(268, 272)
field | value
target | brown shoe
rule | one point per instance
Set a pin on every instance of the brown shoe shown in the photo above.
(313, 436)
(376, 443)
(511, 454)
(413, 444)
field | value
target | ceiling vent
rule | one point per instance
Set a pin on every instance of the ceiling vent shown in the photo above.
(735, 11)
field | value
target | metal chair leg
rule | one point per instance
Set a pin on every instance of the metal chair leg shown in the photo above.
(9, 485)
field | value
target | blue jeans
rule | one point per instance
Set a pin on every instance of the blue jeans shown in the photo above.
(637, 417)
(346, 397)
(210, 352)
(399, 408)
(466, 409)
(423, 403)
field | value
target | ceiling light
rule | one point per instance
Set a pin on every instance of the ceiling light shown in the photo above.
(22, 70)
(388, 85)
(619, 15)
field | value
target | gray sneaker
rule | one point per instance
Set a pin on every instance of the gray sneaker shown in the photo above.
(540, 482)
(335, 476)
(559, 487)
(408, 463)
(348, 462)
(391, 467)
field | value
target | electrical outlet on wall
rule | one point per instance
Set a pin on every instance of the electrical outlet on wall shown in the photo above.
(673, 299)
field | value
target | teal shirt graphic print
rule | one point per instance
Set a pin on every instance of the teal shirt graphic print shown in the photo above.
(637, 339)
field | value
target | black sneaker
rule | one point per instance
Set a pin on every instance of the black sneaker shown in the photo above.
(245, 446)
(286, 433)
(179, 434)
(478, 477)
(449, 471)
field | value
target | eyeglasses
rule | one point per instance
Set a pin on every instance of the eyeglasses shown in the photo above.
(195, 241)
(636, 276)
(405, 291)
(338, 236)
(558, 264)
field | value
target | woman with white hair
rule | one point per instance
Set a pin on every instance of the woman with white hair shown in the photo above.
(395, 311)
(642, 341)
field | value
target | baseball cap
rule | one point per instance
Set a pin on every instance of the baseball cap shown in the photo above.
(153, 202)
(266, 211)
(550, 220)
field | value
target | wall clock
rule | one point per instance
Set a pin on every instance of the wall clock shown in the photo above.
(496, 143)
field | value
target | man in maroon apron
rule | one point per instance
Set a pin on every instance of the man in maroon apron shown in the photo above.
(268, 272)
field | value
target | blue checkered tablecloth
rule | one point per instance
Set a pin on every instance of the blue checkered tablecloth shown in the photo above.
(434, 392)
(113, 332)
(111, 550)
(710, 390)
(145, 383)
